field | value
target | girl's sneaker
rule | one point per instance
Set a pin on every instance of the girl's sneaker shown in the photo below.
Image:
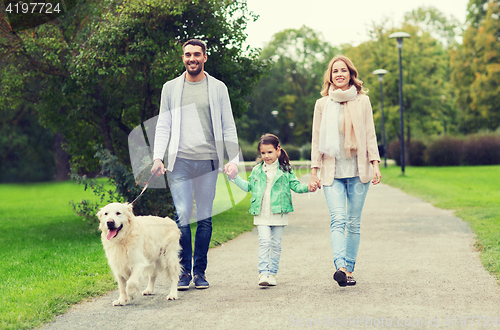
(272, 280)
(263, 280)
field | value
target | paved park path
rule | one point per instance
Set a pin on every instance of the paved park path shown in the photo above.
(417, 269)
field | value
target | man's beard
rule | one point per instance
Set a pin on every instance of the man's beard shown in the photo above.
(196, 71)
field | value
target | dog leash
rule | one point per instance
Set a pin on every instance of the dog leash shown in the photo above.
(147, 184)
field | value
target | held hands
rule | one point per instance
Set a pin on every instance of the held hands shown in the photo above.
(314, 183)
(231, 169)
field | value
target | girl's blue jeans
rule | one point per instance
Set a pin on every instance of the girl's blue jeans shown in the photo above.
(345, 199)
(269, 249)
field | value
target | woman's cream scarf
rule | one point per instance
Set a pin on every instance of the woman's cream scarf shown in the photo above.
(329, 142)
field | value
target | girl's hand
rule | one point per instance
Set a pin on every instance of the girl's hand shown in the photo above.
(312, 187)
(377, 176)
(231, 169)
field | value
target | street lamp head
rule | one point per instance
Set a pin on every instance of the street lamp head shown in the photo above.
(291, 124)
(274, 113)
(399, 37)
(380, 73)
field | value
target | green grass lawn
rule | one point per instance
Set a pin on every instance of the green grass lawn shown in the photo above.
(472, 191)
(51, 259)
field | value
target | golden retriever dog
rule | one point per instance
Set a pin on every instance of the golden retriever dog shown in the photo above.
(139, 246)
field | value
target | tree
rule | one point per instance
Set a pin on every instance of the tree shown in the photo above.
(427, 93)
(429, 19)
(34, 61)
(476, 12)
(476, 67)
(299, 58)
(485, 90)
(99, 70)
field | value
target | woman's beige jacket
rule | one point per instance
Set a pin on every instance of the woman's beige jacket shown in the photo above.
(361, 113)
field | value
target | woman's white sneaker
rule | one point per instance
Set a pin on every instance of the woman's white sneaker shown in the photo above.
(263, 280)
(272, 280)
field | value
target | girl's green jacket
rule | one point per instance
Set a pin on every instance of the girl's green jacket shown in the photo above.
(281, 197)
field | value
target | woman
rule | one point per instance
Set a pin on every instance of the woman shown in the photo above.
(344, 148)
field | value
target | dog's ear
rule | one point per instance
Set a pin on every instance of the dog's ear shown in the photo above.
(130, 211)
(100, 214)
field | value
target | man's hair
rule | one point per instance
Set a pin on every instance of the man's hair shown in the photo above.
(195, 42)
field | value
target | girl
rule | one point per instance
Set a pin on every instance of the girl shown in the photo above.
(344, 147)
(270, 183)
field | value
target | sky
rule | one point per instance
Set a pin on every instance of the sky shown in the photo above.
(339, 21)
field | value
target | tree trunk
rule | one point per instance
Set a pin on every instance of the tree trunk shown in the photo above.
(61, 158)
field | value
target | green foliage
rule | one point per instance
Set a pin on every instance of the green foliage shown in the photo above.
(415, 152)
(427, 93)
(435, 23)
(121, 186)
(292, 151)
(98, 72)
(26, 148)
(476, 11)
(476, 149)
(299, 58)
(471, 191)
(482, 149)
(249, 152)
(476, 69)
(445, 151)
(306, 151)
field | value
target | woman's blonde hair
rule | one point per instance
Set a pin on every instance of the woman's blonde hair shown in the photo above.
(327, 77)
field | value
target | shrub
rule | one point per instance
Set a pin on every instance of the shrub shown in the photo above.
(306, 151)
(292, 151)
(482, 150)
(249, 152)
(415, 153)
(124, 188)
(393, 151)
(445, 151)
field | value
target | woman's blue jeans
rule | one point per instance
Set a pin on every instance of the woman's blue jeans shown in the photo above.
(194, 178)
(345, 199)
(269, 249)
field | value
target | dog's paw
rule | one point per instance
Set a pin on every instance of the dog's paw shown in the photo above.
(132, 290)
(172, 296)
(147, 292)
(120, 302)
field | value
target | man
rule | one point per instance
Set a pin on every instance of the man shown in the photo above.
(196, 121)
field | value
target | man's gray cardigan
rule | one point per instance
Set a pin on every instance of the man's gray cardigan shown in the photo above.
(169, 121)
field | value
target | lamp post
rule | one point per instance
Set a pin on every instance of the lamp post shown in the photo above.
(380, 73)
(275, 115)
(399, 37)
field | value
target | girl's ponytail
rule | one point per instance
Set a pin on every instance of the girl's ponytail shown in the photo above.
(284, 161)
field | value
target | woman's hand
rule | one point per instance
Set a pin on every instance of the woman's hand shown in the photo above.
(377, 176)
(312, 186)
(314, 181)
